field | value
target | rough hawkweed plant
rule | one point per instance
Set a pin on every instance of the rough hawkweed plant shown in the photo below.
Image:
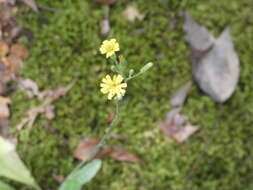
(114, 86)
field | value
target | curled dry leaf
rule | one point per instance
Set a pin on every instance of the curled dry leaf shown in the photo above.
(85, 148)
(176, 126)
(132, 14)
(178, 98)
(4, 49)
(20, 51)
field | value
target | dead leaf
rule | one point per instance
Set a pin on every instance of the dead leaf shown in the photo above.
(215, 64)
(4, 111)
(59, 178)
(4, 127)
(13, 63)
(4, 49)
(105, 27)
(197, 36)
(32, 4)
(29, 86)
(85, 148)
(48, 97)
(178, 98)
(5, 100)
(176, 126)
(131, 14)
(108, 2)
(19, 50)
(120, 154)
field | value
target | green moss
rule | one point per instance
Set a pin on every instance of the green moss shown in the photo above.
(67, 47)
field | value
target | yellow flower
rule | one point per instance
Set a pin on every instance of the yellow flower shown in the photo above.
(109, 47)
(113, 86)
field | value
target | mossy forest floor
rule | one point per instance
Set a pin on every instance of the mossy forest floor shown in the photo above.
(66, 45)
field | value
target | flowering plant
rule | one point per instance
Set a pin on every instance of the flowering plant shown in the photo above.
(114, 86)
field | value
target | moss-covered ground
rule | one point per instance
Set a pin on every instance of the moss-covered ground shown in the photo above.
(66, 45)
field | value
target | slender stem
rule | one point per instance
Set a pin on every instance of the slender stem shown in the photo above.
(102, 141)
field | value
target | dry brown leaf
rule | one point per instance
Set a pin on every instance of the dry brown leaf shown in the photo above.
(4, 111)
(32, 4)
(176, 126)
(5, 100)
(178, 98)
(59, 178)
(85, 148)
(121, 154)
(108, 2)
(48, 97)
(13, 63)
(4, 49)
(29, 86)
(131, 14)
(19, 50)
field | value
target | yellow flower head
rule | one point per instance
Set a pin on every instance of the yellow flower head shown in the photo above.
(113, 86)
(109, 47)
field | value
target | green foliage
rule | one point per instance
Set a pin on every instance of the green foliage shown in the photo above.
(4, 186)
(66, 46)
(81, 176)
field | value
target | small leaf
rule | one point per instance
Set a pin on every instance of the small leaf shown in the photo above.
(4, 186)
(82, 176)
(146, 67)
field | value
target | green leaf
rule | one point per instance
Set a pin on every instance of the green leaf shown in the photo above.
(146, 67)
(12, 167)
(4, 186)
(76, 180)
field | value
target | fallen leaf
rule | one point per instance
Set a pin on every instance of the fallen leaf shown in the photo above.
(131, 14)
(178, 98)
(59, 178)
(108, 2)
(5, 100)
(120, 154)
(215, 64)
(19, 50)
(4, 49)
(105, 27)
(4, 111)
(4, 127)
(85, 148)
(13, 63)
(176, 126)
(32, 4)
(48, 97)
(29, 86)
(197, 36)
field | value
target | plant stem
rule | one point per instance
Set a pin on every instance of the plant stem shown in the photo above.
(102, 141)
